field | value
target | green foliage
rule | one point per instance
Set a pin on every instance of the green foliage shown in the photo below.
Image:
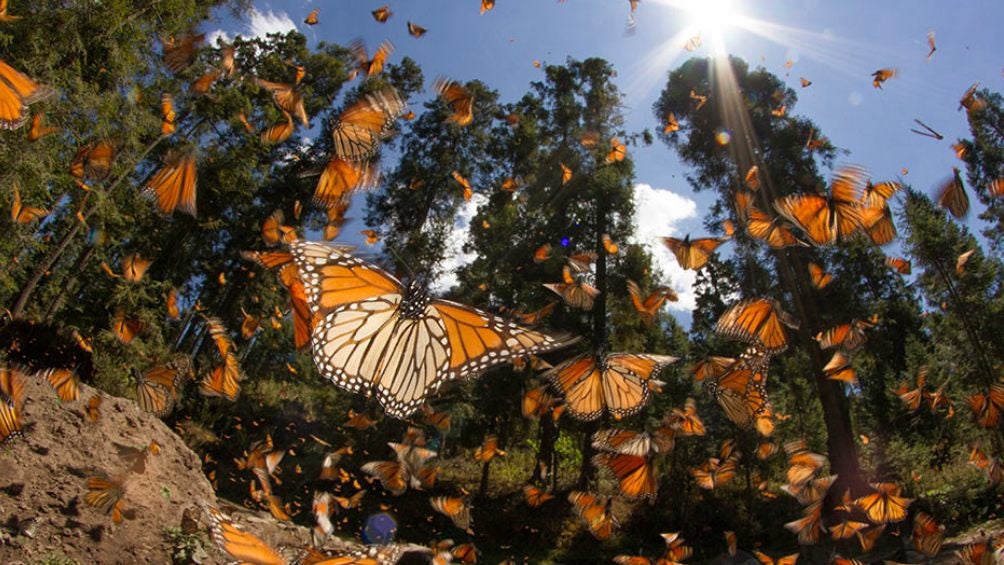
(187, 547)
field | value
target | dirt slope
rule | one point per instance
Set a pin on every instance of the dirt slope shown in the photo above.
(43, 479)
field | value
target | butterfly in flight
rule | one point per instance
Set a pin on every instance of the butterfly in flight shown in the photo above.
(375, 334)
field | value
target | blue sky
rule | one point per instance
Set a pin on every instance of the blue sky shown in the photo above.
(837, 45)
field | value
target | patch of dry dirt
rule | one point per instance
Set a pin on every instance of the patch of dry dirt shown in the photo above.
(43, 479)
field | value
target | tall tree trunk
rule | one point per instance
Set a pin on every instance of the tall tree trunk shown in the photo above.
(545, 452)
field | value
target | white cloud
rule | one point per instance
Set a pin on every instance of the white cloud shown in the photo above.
(454, 253)
(657, 213)
(264, 23)
(217, 34)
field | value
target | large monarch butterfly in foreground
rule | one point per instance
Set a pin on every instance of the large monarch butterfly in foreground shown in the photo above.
(17, 91)
(373, 333)
(619, 383)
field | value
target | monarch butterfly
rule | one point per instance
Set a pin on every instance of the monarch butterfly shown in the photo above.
(648, 306)
(322, 509)
(845, 529)
(464, 184)
(809, 526)
(768, 560)
(224, 380)
(840, 214)
(372, 331)
(617, 151)
(883, 231)
(93, 408)
(372, 237)
(537, 402)
(882, 75)
(996, 188)
(361, 127)
(741, 393)
(752, 179)
(839, 369)
(759, 322)
(65, 382)
(566, 173)
(536, 497)
(238, 544)
(127, 329)
(134, 267)
(288, 97)
(543, 253)
(884, 504)
(978, 553)
(676, 549)
(960, 263)
(987, 406)
(179, 53)
(990, 466)
(820, 278)
(776, 233)
(350, 502)
(952, 195)
(780, 111)
(971, 101)
(21, 214)
(623, 441)
(94, 160)
(692, 254)
(416, 30)
(714, 473)
(279, 132)
(17, 91)
(249, 325)
(813, 142)
(167, 114)
(489, 450)
(273, 231)
(672, 124)
(804, 82)
(928, 535)
(382, 13)
(876, 195)
(849, 337)
(596, 514)
(311, 18)
(454, 508)
(765, 449)
(459, 99)
(813, 491)
(157, 388)
(4, 16)
(221, 337)
(202, 85)
(868, 537)
(340, 178)
(173, 186)
(609, 246)
(12, 398)
(375, 65)
(915, 397)
(802, 463)
(465, 553)
(290, 278)
(106, 495)
(686, 422)
(37, 130)
(701, 100)
(693, 43)
(635, 474)
(618, 383)
(711, 367)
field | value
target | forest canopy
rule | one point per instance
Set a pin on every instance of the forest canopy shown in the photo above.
(179, 235)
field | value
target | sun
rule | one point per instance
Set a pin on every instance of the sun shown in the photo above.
(711, 17)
